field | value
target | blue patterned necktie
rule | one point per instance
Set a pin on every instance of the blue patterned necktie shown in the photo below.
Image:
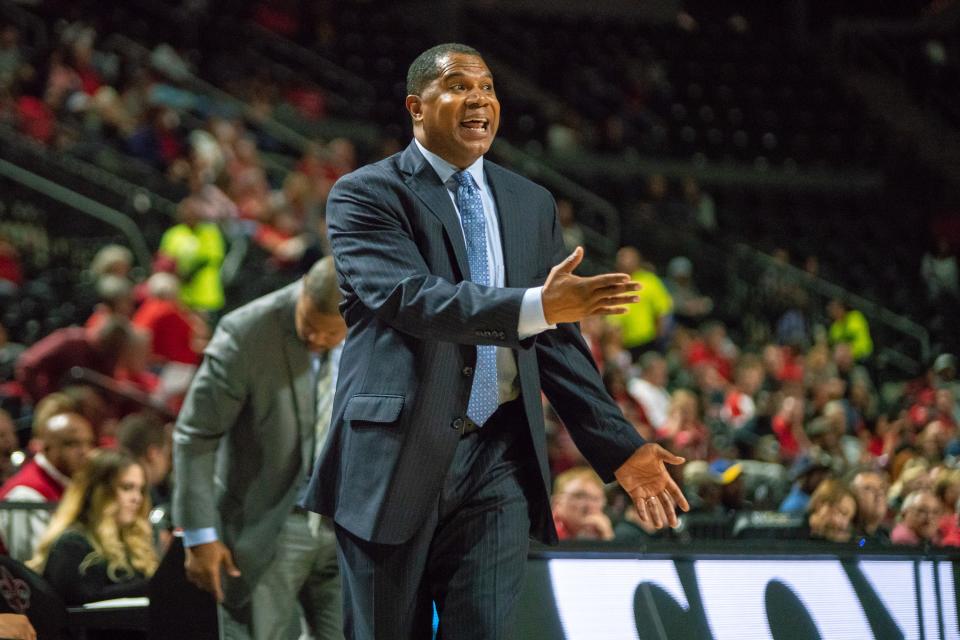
(484, 395)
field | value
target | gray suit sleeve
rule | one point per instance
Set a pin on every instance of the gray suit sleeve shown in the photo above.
(215, 399)
(380, 261)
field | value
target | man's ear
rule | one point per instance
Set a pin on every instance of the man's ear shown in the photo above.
(414, 106)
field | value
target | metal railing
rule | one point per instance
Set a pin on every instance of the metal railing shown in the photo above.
(874, 312)
(111, 217)
(16, 146)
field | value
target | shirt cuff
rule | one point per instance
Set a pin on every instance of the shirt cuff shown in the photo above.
(193, 537)
(532, 321)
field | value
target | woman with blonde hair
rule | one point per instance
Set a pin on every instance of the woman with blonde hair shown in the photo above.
(99, 544)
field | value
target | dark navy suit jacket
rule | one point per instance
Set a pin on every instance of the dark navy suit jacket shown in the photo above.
(414, 321)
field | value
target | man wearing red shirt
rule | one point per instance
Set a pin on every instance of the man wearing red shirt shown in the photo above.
(42, 367)
(172, 327)
(66, 442)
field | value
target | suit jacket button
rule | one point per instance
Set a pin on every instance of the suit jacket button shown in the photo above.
(457, 424)
(467, 371)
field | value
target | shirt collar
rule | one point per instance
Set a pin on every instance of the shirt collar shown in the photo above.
(51, 470)
(445, 170)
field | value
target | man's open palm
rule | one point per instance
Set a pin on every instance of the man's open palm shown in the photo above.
(644, 476)
(568, 297)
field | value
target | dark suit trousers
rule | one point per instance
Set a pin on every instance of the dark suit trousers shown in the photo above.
(469, 557)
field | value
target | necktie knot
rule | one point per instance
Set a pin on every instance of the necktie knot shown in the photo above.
(464, 179)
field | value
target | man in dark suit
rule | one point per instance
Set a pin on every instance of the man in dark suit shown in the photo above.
(244, 444)
(435, 471)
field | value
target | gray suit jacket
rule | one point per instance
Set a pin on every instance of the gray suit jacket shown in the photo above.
(414, 320)
(241, 440)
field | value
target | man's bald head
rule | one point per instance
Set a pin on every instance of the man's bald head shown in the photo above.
(67, 442)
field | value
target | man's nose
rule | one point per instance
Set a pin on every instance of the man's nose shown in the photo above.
(476, 97)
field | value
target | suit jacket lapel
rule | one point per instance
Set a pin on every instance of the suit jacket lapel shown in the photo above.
(303, 382)
(509, 212)
(423, 181)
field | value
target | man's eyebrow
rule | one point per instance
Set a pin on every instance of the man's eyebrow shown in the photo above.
(457, 74)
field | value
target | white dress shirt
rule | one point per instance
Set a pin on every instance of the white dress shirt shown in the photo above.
(531, 320)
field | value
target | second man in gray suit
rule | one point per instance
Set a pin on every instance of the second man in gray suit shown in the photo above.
(244, 446)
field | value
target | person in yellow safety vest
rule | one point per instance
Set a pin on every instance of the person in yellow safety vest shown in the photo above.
(197, 249)
(647, 320)
(850, 326)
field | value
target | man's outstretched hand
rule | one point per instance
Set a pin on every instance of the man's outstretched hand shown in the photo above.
(644, 476)
(571, 298)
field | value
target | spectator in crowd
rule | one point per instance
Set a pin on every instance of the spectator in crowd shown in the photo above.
(196, 248)
(701, 487)
(690, 437)
(919, 520)
(944, 376)
(912, 473)
(657, 204)
(870, 489)
(941, 274)
(562, 450)
(51, 405)
(150, 441)
(577, 505)
(175, 333)
(99, 544)
(932, 443)
(713, 348)
(11, 269)
(9, 354)
(112, 259)
(11, 56)
(690, 307)
(115, 295)
(261, 400)
(132, 371)
(787, 425)
(65, 440)
(646, 322)
(569, 227)
(102, 415)
(739, 405)
(807, 472)
(650, 389)
(851, 327)
(158, 140)
(727, 475)
(615, 382)
(702, 208)
(593, 329)
(248, 179)
(782, 367)
(42, 367)
(831, 512)
(8, 447)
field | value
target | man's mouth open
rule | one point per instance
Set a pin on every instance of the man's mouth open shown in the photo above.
(475, 126)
